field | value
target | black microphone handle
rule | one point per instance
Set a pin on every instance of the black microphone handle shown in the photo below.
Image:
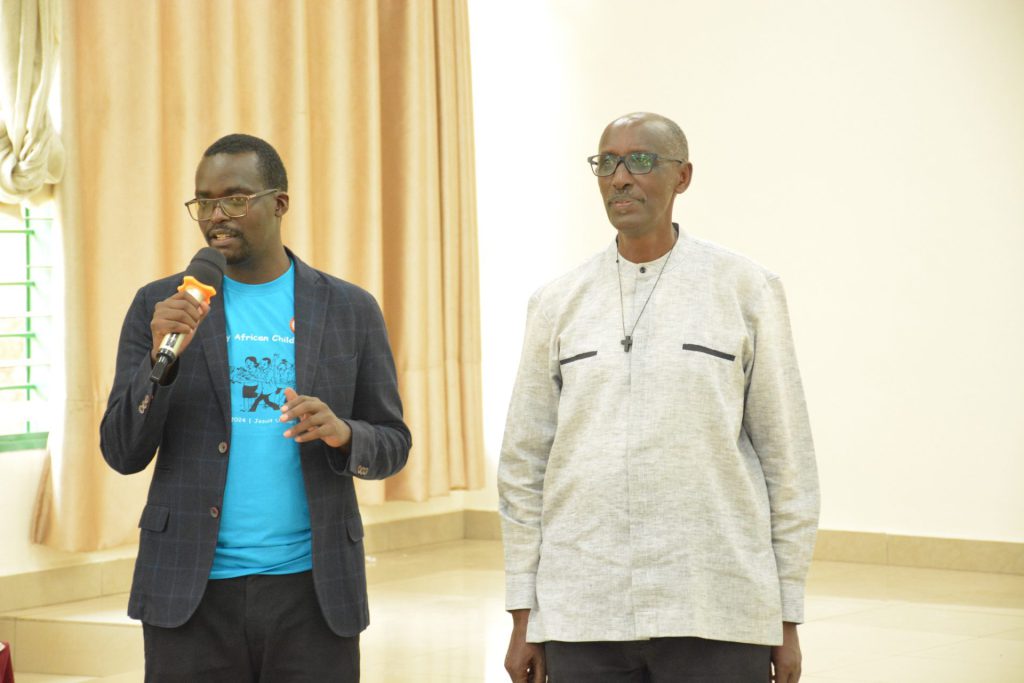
(168, 352)
(206, 270)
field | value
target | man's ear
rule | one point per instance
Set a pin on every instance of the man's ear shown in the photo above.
(685, 176)
(281, 204)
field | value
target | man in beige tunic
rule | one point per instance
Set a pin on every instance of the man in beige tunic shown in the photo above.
(658, 488)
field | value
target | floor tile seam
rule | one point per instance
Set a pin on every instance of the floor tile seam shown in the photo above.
(960, 606)
(62, 615)
(416, 582)
(951, 638)
(955, 609)
(849, 668)
(976, 635)
(999, 635)
(921, 653)
(839, 668)
(1000, 661)
(91, 598)
(847, 614)
(69, 622)
(994, 635)
(424, 594)
(411, 577)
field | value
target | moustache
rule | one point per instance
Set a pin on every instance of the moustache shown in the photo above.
(221, 231)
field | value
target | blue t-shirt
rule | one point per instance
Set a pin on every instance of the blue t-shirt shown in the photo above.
(264, 522)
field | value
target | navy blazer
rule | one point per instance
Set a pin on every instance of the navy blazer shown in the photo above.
(342, 357)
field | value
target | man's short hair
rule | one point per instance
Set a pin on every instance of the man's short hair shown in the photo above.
(268, 161)
(676, 137)
(673, 136)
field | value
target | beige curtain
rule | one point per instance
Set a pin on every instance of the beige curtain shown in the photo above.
(368, 103)
(30, 149)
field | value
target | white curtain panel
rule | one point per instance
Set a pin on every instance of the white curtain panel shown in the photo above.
(31, 153)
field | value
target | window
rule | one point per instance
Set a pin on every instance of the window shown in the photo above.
(26, 342)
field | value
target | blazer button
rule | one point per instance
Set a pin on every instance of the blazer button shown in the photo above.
(214, 511)
(222, 447)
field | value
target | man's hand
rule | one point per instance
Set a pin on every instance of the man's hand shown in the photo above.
(179, 314)
(524, 661)
(786, 658)
(316, 421)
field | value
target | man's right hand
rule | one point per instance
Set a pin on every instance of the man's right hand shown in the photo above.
(524, 661)
(176, 314)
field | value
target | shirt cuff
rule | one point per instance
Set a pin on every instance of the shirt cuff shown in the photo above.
(520, 591)
(793, 603)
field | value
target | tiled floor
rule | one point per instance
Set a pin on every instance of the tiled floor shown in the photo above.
(437, 617)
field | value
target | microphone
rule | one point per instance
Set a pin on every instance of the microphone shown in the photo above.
(202, 278)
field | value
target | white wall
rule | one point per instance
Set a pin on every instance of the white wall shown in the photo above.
(871, 152)
(20, 473)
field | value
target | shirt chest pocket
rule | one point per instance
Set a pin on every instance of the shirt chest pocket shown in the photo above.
(699, 348)
(709, 370)
(583, 366)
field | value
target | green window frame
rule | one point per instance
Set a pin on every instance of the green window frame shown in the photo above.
(26, 341)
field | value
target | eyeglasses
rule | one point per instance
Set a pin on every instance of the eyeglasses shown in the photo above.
(235, 206)
(637, 163)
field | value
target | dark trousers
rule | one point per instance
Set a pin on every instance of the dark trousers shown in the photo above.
(660, 660)
(253, 629)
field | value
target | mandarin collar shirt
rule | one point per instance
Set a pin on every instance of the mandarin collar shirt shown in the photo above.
(666, 491)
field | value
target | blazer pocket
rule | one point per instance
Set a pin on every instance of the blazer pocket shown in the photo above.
(354, 526)
(710, 352)
(154, 518)
(578, 356)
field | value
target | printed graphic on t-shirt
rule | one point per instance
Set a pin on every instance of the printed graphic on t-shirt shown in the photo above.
(258, 383)
(262, 367)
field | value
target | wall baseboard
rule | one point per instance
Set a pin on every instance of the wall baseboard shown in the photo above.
(923, 552)
(480, 525)
(95, 578)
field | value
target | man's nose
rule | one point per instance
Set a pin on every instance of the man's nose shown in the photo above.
(621, 177)
(218, 215)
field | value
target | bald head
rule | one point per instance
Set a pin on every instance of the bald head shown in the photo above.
(667, 132)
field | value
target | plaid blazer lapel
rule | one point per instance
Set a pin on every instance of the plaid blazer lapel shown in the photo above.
(310, 317)
(212, 335)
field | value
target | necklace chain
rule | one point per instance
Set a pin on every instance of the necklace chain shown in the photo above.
(627, 339)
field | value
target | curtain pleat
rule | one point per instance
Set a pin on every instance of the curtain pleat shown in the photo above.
(31, 153)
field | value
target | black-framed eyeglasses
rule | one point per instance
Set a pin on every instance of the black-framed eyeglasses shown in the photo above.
(637, 163)
(234, 206)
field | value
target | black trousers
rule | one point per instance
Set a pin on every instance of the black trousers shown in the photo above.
(253, 629)
(660, 660)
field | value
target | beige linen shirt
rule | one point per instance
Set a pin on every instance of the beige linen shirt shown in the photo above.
(671, 490)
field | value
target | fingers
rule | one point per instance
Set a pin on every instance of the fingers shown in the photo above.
(782, 673)
(178, 314)
(308, 410)
(315, 418)
(524, 662)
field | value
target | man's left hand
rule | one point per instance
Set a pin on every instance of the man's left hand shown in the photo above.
(786, 658)
(316, 421)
